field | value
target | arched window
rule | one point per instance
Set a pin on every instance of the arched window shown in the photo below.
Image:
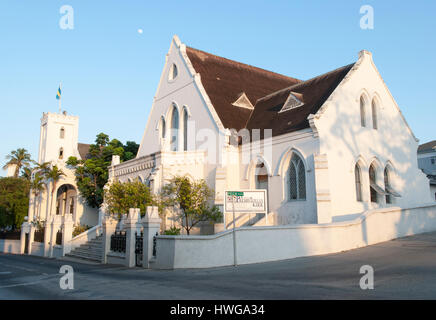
(173, 72)
(374, 114)
(358, 180)
(61, 153)
(362, 111)
(387, 185)
(185, 129)
(174, 130)
(162, 127)
(372, 181)
(297, 179)
(62, 133)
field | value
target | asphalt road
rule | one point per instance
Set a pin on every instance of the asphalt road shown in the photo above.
(403, 269)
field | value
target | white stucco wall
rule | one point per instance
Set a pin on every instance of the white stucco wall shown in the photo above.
(345, 142)
(262, 244)
(10, 246)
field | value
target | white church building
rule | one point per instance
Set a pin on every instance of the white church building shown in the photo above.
(325, 149)
(334, 153)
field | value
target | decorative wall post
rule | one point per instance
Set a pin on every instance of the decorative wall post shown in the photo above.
(47, 236)
(25, 229)
(151, 223)
(55, 226)
(31, 238)
(109, 226)
(67, 234)
(131, 225)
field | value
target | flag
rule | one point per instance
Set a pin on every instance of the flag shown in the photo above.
(58, 94)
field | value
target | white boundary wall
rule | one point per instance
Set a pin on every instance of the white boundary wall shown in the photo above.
(271, 243)
(10, 246)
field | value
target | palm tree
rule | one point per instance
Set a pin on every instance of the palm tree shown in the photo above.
(37, 185)
(43, 168)
(19, 158)
(53, 175)
(27, 173)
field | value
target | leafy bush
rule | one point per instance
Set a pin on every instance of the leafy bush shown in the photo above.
(78, 229)
(173, 231)
(122, 196)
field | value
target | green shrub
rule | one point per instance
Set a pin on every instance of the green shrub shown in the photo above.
(173, 231)
(78, 229)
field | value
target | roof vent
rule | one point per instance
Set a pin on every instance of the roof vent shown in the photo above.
(243, 102)
(294, 101)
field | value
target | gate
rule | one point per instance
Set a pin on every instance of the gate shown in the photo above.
(26, 243)
(139, 248)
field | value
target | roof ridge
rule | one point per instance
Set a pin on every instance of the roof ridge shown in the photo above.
(248, 66)
(304, 82)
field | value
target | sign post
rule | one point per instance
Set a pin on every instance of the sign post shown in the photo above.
(244, 201)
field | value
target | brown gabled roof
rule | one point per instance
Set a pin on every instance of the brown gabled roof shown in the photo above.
(224, 80)
(313, 93)
(427, 147)
(83, 149)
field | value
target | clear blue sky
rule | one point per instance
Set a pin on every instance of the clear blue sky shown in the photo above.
(110, 72)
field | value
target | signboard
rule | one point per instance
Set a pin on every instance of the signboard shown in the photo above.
(245, 201)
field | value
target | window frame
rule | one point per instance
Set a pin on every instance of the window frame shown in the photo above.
(294, 163)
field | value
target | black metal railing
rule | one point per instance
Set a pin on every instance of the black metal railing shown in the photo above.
(118, 241)
(39, 235)
(10, 235)
(59, 237)
(139, 248)
(154, 244)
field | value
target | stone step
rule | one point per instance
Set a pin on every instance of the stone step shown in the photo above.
(91, 252)
(86, 253)
(85, 257)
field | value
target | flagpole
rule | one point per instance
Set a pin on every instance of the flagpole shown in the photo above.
(60, 97)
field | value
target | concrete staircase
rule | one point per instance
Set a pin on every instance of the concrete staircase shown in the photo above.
(91, 250)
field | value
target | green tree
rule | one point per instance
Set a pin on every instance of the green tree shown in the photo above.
(37, 185)
(92, 174)
(120, 197)
(14, 201)
(53, 175)
(20, 158)
(190, 199)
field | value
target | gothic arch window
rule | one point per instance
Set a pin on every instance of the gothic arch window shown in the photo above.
(185, 129)
(362, 111)
(62, 133)
(372, 181)
(174, 144)
(162, 127)
(61, 153)
(297, 179)
(387, 185)
(173, 72)
(358, 181)
(374, 114)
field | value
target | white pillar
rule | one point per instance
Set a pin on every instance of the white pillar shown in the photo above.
(55, 226)
(109, 226)
(151, 223)
(47, 236)
(131, 225)
(67, 234)
(31, 237)
(25, 228)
